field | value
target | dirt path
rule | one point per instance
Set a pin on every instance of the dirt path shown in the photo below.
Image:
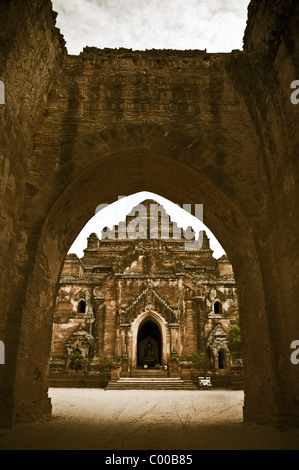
(163, 420)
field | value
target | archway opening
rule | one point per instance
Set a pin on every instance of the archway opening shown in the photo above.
(183, 185)
(149, 345)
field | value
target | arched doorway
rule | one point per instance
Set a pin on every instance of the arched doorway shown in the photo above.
(149, 345)
(149, 326)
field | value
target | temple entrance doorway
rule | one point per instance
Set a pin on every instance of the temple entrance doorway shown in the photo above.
(149, 345)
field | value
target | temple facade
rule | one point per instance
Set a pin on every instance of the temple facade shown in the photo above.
(146, 295)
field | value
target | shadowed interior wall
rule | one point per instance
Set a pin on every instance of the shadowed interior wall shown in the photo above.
(216, 129)
(31, 49)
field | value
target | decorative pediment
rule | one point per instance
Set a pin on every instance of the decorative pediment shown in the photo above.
(148, 299)
(217, 339)
(81, 341)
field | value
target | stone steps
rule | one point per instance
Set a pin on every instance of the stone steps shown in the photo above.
(151, 383)
(149, 373)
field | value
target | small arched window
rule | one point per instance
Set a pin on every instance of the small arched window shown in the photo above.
(81, 306)
(217, 307)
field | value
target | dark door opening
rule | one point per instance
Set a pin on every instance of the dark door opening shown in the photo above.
(149, 345)
(221, 359)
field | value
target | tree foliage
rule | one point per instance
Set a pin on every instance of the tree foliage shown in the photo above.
(234, 341)
(201, 361)
(80, 363)
(103, 364)
(77, 361)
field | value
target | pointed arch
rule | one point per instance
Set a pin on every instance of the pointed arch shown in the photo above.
(160, 322)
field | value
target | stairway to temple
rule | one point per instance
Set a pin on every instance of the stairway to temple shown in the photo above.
(150, 373)
(150, 380)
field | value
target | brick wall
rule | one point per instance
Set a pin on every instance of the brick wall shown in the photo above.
(31, 49)
(217, 129)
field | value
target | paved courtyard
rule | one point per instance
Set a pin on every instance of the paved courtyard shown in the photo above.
(146, 420)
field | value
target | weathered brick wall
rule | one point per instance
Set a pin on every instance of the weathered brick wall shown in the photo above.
(272, 31)
(217, 129)
(267, 21)
(30, 51)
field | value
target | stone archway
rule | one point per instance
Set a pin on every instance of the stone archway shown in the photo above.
(147, 326)
(72, 209)
(192, 126)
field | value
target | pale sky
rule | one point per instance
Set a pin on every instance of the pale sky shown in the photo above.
(215, 25)
(117, 212)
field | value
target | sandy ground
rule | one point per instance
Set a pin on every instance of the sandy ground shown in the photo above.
(96, 419)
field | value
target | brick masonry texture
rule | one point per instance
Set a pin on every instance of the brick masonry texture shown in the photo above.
(216, 129)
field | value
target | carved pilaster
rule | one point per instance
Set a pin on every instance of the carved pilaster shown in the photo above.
(173, 339)
(89, 316)
(199, 305)
(99, 324)
(124, 339)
